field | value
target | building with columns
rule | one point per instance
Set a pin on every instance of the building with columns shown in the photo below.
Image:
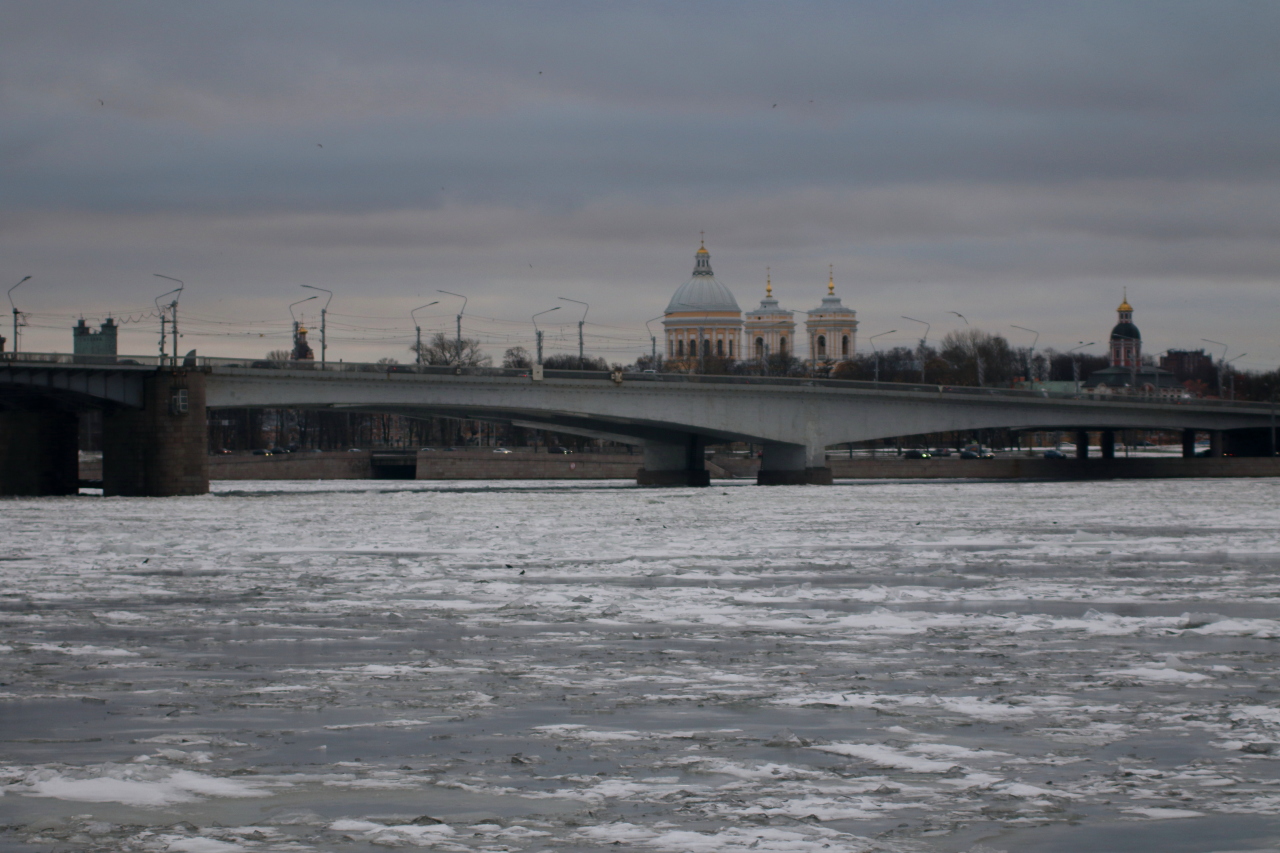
(770, 329)
(832, 329)
(702, 317)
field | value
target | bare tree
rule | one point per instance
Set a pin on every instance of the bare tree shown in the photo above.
(443, 350)
(517, 357)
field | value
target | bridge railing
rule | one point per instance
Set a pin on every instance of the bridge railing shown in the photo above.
(386, 368)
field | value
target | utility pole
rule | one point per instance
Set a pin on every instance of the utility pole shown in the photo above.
(581, 360)
(458, 338)
(16, 313)
(1222, 363)
(173, 306)
(324, 344)
(417, 348)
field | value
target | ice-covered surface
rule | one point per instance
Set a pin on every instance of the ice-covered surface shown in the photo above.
(353, 666)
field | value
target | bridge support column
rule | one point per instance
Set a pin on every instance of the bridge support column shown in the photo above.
(1215, 443)
(793, 465)
(1108, 442)
(675, 464)
(1188, 443)
(159, 450)
(1082, 444)
(39, 453)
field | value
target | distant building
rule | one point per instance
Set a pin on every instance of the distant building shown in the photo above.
(88, 345)
(1126, 373)
(832, 329)
(703, 316)
(1190, 366)
(301, 349)
(770, 329)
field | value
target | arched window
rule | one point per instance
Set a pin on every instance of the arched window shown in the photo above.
(720, 347)
(844, 346)
(730, 347)
(782, 345)
(671, 348)
(822, 346)
(706, 346)
(759, 347)
(679, 349)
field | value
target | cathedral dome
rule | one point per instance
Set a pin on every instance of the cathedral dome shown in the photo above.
(702, 292)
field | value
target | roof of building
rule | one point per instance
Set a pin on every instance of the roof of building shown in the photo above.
(702, 292)
(1119, 377)
(1126, 330)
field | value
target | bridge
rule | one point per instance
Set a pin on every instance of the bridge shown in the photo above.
(155, 434)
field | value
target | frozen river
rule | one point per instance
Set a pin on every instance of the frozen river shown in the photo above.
(353, 666)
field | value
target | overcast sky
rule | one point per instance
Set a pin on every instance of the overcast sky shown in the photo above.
(1020, 163)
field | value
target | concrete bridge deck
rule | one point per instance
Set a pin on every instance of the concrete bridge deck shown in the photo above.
(672, 416)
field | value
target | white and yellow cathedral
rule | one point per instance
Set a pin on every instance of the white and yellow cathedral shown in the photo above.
(703, 320)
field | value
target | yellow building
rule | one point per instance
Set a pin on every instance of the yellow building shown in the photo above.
(703, 317)
(832, 329)
(770, 329)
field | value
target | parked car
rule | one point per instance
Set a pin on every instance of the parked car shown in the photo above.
(261, 452)
(916, 454)
(501, 450)
(558, 449)
(1054, 454)
(426, 450)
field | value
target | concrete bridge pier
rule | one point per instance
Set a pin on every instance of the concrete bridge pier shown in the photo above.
(675, 464)
(1215, 443)
(39, 452)
(1107, 439)
(793, 465)
(1082, 444)
(161, 449)
(1188, 443)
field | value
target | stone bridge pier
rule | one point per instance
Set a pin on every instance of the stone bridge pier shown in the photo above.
(156, 449)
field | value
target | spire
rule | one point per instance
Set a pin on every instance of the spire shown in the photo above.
(702, 259)
(768, 284)
(831, 279)
(1125, 306)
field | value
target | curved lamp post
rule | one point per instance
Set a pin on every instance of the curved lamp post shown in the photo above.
(324, 345)
(173, 307)
(418, 329)
(461, 311)
(876, 351)
(580, 324)
(653, 340)
(1075, 363)
(16, 313)
(538, 332)
(923, 341)
(1030, 353)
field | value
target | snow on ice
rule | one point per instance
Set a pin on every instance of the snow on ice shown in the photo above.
(348, 666)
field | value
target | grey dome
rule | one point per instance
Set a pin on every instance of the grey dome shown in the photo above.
(831, 305)
(703, 293)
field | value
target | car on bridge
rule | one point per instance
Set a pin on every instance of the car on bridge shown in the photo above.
(916, 454)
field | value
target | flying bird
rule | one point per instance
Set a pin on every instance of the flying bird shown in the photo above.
(318, 145)
(101, 102)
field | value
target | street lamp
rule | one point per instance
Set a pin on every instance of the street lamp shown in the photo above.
(16, 312)
(538, 332)
(653, 340)
(876, 351)
(418, 329)
(923, 341)
(461, 311)
(1231, 374)
(580, 324)
(1221, 362)
(1075, 363)
(173, 306)
(323, 316)
(977, 355)
(1030, 354)
(293, 355)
